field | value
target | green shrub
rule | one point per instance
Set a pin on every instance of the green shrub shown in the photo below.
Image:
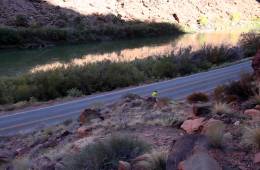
(197, 97)
(250, 43)
(105, 155)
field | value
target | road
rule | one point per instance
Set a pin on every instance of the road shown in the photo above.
(178, 88)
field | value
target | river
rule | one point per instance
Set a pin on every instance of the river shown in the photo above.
(19, 61)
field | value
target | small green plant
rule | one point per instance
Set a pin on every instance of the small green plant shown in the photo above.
(251, 137)
(21, 21)
(221, 109)
(106, 154)
(203, 20)
(74, 92)
(215, 133)
(198, 97)
(235, 17)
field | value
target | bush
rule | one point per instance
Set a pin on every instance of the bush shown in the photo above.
(250, 43)
(215, 133)
(252, 137)
(243, 89)
(106, 155)
(198, 97)
(21, 21)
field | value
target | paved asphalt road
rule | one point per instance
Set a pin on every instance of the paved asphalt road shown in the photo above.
(179, 88)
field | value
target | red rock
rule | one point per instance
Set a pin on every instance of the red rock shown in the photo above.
(123, 165)
(255, 114)
(257, 158)
(83, 131)
(191, 126)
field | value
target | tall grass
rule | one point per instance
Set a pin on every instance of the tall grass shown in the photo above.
(106, 75)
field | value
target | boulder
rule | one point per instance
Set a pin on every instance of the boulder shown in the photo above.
(252, 112)
(184, 147)
(191, 126)
(200, 161)
(88, 114)
(257, 158)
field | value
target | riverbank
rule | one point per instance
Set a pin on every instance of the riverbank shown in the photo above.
(49, 36)
(105, 76)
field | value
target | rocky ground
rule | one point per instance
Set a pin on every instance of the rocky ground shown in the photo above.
(163, 124)
(214, 14)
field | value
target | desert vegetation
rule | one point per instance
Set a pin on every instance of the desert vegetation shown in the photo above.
(106, 155)
(106, 75)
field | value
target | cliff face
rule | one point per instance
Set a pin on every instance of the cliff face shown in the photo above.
(218, 13)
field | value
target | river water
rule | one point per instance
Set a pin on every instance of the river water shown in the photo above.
(17, 61)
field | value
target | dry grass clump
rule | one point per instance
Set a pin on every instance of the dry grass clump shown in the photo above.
(250, 43)
(215, 133)
(197, 97)
(152, 161)
(221, 108)
(252, 137)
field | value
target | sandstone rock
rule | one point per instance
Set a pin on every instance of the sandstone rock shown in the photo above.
(89, 114)
(257, 158)
(191, 126)
(123, 165)
(200, 161)
(252, 112)
(83, 131)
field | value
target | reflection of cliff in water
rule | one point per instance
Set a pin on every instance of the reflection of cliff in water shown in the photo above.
(20, 61)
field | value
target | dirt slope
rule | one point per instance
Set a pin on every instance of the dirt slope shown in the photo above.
(50, 12)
